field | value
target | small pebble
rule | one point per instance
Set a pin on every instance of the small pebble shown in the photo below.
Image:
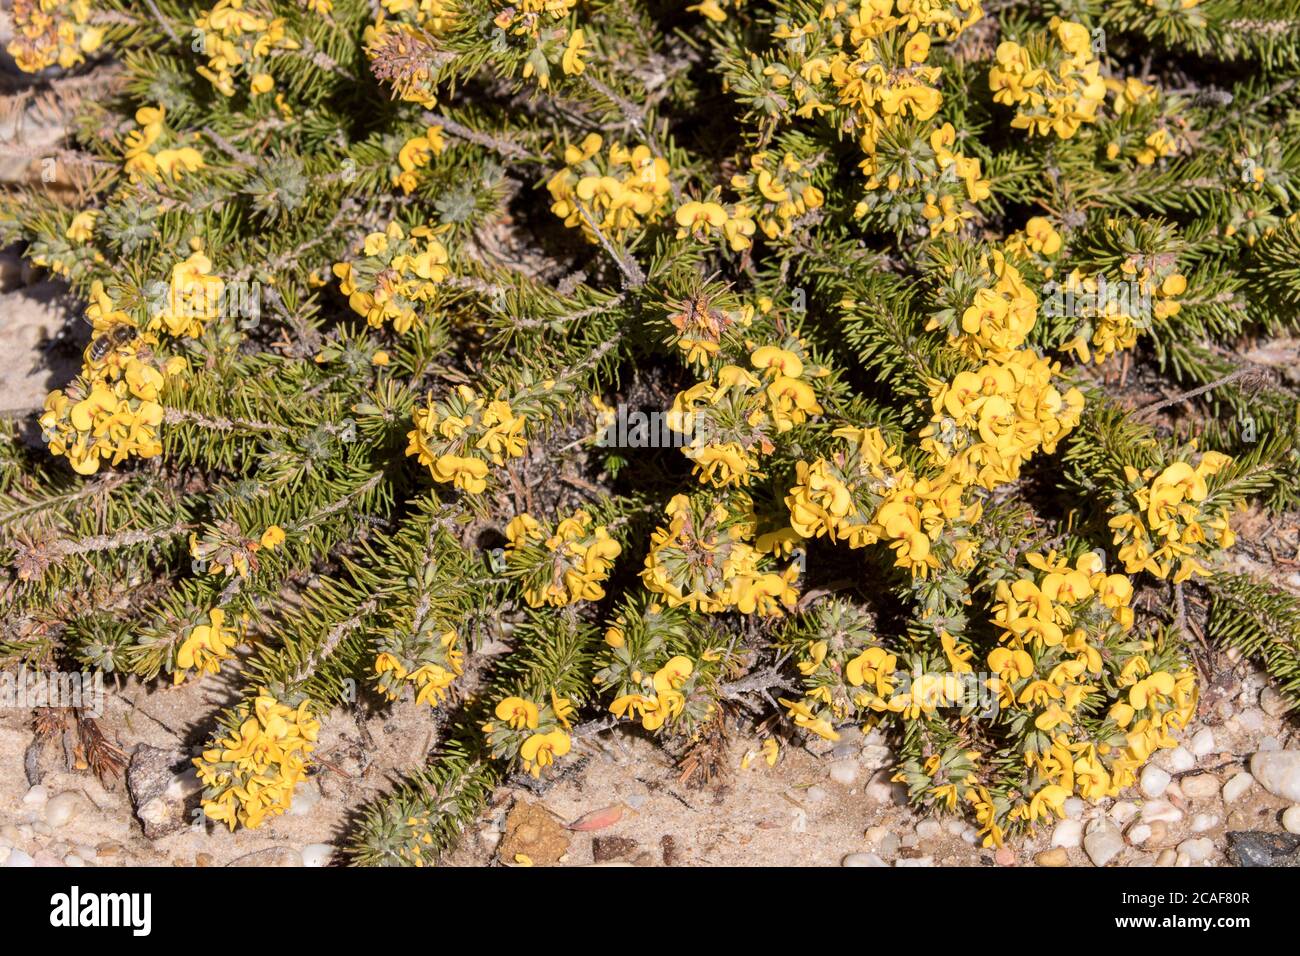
(1154, 781)
(845, 750)
(929, 830)
(844, 772)
(1068, 834)
(1272, 703)
(1159, 830)
(1251, 720)
(64, 808)
(909, 840)
(1237, 786)
(108, 853)
(1204, 821)
(1005, 856)
(306, 796)
(915, 861)
(317, 854)
(1180, 759)
(73, 860)
(862, 859)
(1154, 810)
(954, 826)
(1278, 772)
(1054, 857)
(1138, 833)
(1202, 744)
(1291, 819)
(36, 797)
(1201, 848)
(970, 835)
(882, 840)
(1123, 811)
(875, 756)
(1270, 743)
(1200, 786)
(1167, 857)
(1074, 808)
(18, 858)
(1104, 841)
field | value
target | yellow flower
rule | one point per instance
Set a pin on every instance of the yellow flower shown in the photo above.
(572, 59)
(518, 713)
(273, 536)
(540, 750)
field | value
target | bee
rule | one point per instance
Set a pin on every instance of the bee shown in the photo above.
(117, 336)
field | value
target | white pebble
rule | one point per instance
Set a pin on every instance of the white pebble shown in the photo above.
(1200, 786)
(1074, 808)
(317, 854)
(1154, 781)
(915, 861)
(1180, 759)
(1138, 834)
(1278, 772)
(955, 826)
(18, 858)
(63, 808)
(305, 798)
(862, 859)
(1291, 819)
(875, 756)
(1202, 848)
(1068, 833)
(36, 797)
(73, 860)
(1123, 811)
(1273, 703)
(815, 794)
(844, 772)
(1270, 743)
(1161, 810)
(1251, 719)
(929, 829)
(1202, 745)
(970, 835)
(1204, 821)
(4, 853)
(1104, 842)
(1237, 786)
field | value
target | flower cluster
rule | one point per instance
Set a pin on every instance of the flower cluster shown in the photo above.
(706, 558)
(1101, 701)
(533, 24)
(709, 219)
(49, 32)
(415, 154)
(535, 733)
(236, 39)
(112, 410)
(1003, 310)
(396, 273)
(425, 660)
(459, 438)
(561, 565)
(1054, 81)
(988, 422)
(1168, 520)
(617, 190)
(864, 494)
(1112, 314)
(250, 773)
(848, 672)
(653, 671)
(866, 66)
(730, 419)
(779, 188)
(143, 160)
(205, 647)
